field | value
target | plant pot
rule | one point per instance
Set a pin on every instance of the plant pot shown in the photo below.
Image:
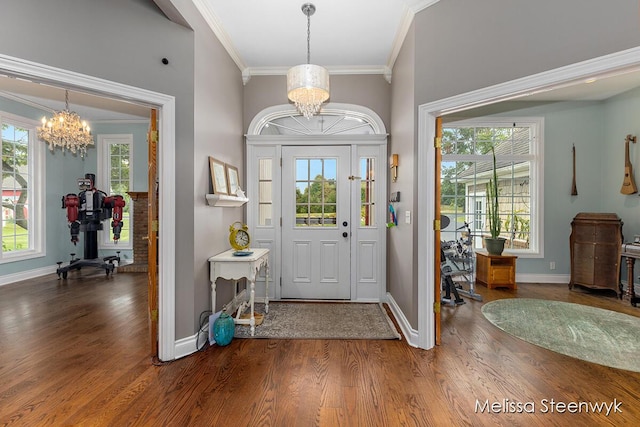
(494, 246)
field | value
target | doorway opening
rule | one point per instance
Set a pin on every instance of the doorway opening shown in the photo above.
(608, 66)
(40, 73)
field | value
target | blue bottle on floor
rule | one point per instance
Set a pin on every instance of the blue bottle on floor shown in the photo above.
(223, 329)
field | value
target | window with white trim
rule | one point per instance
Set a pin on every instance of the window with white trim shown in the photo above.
(116, 177)
(23, 173)
(467, 165)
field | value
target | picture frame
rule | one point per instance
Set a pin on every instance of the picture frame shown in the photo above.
(233, 179)
(218, 176)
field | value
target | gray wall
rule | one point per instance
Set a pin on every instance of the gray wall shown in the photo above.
(219, 133)
(621, 118)
(401, 242)
(464, 45)
(124, 41)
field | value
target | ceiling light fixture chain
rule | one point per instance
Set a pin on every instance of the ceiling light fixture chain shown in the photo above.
(308, 84)
(66, 130)
(308, 9)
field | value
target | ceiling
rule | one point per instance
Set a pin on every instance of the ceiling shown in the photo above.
(253, 33)
(268, 37)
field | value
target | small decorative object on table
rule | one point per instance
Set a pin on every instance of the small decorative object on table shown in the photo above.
(239, 236)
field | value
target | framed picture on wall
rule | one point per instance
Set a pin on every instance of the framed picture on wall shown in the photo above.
(233, 180)
(218, 176)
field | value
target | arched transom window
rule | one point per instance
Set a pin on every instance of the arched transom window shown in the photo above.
(332, 120)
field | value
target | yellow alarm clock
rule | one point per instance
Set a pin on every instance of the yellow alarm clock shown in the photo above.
(239, 236)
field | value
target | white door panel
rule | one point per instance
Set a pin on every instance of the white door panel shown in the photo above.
(315, 206)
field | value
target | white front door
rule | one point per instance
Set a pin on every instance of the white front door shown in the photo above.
(316, 222)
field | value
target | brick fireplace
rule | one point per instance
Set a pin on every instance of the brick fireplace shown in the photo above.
(140, 201)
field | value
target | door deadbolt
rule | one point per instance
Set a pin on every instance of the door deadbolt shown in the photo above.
(345, 223)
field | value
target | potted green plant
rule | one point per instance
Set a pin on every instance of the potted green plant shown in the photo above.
(495, 243)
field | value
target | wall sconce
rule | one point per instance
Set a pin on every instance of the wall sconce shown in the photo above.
(393, 164)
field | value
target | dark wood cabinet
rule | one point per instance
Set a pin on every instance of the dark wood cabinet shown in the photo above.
(595, 244)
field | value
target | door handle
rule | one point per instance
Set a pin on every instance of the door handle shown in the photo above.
(345, 234)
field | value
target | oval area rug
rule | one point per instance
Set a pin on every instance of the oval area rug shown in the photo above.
(593, 334)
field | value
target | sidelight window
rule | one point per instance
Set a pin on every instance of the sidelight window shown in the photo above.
(265, 192)
(367, 192)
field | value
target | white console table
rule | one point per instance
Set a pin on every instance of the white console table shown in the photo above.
(230, 267)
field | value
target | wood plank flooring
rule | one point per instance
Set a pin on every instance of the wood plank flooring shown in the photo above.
(75, 352)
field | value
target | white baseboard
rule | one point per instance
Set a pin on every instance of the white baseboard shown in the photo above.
(27, 274)
(186, 346)
(543, 278)
(409, 333)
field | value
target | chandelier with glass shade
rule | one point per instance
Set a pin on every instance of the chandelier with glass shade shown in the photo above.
(308, 84)
(66, 130)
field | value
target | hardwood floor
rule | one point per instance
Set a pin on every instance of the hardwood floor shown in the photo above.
(75, 352)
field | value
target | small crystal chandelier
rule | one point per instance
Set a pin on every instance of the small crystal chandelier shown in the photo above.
(308, 84)
(66, 130)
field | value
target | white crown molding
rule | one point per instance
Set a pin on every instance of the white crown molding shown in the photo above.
(249, 72)
(214, 23)
(418, 5)
(401, 34)
(412, 7)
